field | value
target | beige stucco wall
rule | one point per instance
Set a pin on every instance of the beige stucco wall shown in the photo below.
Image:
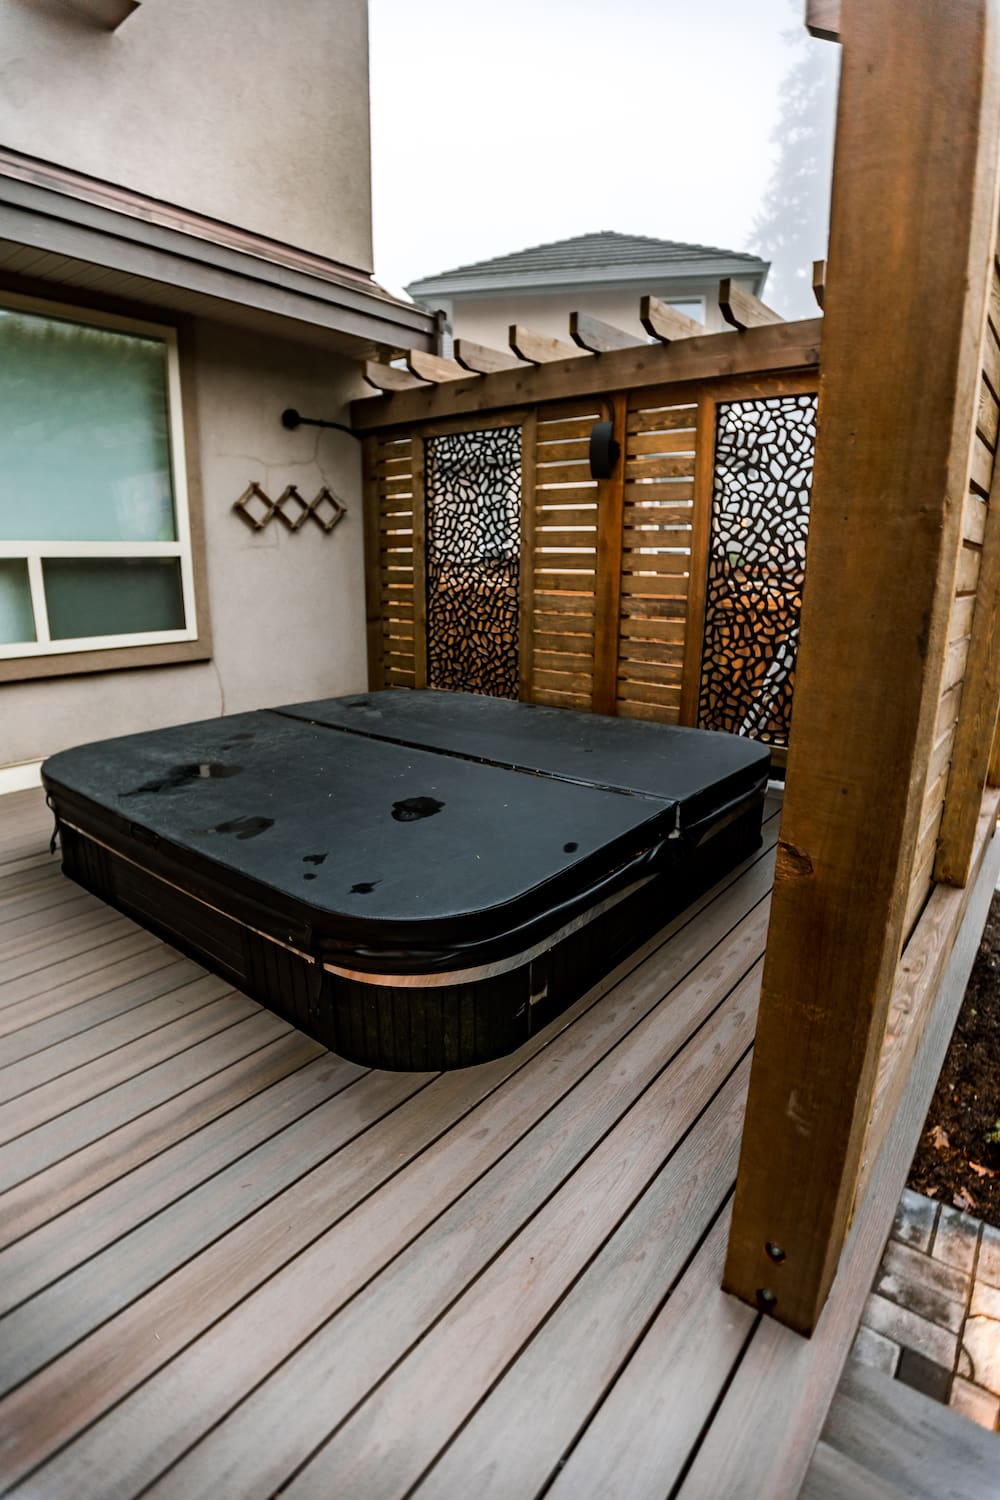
(287, 609)
(486, 320)
(251, 111)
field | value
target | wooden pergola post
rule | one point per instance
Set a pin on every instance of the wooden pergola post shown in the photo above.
(912, 225)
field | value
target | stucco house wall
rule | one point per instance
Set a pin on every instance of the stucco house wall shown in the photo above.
(248, 111)
(286, 609)
(204, 167)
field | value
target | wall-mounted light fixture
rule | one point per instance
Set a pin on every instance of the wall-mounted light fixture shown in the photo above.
(291, 419)
(605, 450)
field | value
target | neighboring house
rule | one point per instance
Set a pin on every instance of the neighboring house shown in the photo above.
(185, 251)
(604, 274)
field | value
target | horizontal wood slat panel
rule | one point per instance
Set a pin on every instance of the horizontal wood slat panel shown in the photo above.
(390, 567)
(635, 672)
(677, 441)
(674, 584)
(563, 473)
(559, 563)
(658, 492)
(659, 513)
(661, 419)
(551, 537)
(550, 513)
(679, 466)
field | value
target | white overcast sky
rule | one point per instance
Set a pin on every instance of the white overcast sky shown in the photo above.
(498, 124)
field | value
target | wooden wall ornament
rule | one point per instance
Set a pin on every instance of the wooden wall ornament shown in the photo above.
(257, 509)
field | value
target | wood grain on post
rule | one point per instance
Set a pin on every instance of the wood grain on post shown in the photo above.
(912, 227)
(607, 588)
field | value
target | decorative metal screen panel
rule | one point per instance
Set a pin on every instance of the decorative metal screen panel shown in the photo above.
(472, 484)
(760, 522)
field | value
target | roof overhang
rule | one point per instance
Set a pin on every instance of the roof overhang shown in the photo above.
(58, 214)
(644, 274)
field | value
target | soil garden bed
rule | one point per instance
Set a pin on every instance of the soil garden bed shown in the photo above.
(958, 1159)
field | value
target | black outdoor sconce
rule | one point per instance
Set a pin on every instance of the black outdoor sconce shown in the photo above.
(291, 419)
(605, 450)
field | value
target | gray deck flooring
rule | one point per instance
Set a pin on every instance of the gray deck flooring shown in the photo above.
(232, 1263)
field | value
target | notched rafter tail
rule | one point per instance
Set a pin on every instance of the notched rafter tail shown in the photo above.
(819, 282)
(480, 359)
(598, 337)
(666, 323)
(390, 377)
(433, 367)
(540, 348)
(823, 19)
(742, 309)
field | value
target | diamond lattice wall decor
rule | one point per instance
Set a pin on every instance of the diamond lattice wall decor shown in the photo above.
(257, 508)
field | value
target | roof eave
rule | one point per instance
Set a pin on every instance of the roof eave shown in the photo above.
(647, 273)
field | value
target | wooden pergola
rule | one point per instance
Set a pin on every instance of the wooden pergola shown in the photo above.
(886, 858)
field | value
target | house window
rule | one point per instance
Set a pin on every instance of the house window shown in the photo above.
(693, 309)
(95, 549)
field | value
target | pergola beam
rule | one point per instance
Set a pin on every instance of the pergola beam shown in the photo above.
(390, 377)
(598, 337)
(481, 360)
(432, 367)
(823, 19)
(666, 323)
(742, 309)
(540, 348)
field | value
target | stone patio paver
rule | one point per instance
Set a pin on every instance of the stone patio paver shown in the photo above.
(974, 1403)
(988, 1269)
(933, 1319)
(916, 1218)
(876, 1351)
(911, 1331)
(955, 1238)
(937, 1292)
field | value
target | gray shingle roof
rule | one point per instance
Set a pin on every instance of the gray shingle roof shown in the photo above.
(602, 252)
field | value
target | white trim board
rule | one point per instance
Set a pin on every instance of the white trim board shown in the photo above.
(20, 778)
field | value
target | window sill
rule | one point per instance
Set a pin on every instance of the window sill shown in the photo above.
(73, 663)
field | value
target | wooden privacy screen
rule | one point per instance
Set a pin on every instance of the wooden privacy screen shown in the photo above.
(613, 573)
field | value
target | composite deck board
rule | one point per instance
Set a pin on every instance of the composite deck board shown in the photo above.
(71, 980)
(231, 1263)
(884, 1440)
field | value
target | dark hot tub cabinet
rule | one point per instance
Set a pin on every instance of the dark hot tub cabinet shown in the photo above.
(416, 879)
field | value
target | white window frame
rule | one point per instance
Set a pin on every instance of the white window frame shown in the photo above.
(34, 553)
(688, 302)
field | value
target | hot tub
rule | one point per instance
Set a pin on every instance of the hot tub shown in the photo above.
(416, 879)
